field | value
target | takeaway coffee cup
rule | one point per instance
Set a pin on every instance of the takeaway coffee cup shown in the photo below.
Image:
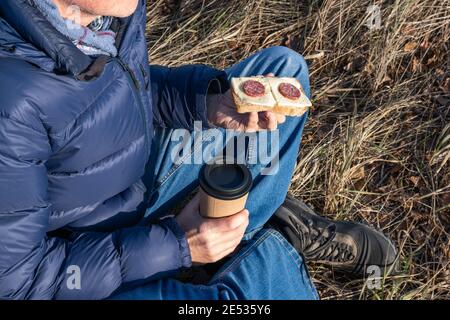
(224, 188)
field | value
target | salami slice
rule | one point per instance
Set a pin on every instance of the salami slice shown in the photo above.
(253, 88)
(289, 91)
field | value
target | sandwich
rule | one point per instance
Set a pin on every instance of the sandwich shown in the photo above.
(279, 95)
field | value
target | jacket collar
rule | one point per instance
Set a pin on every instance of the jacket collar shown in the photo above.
(34, 28)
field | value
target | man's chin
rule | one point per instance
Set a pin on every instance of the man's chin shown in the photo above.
(114, 8)
(126, 12)
(122, 15)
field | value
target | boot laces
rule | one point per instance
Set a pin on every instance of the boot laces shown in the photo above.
(318, 244)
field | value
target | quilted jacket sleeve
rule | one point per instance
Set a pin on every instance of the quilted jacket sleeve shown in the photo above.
(179, 94)
(36, 266)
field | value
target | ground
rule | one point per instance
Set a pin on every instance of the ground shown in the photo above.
(377, 146)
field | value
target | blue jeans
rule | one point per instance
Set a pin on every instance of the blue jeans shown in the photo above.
(266, 265)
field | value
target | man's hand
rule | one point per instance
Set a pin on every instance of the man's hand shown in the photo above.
(222, 113)
(211, 239)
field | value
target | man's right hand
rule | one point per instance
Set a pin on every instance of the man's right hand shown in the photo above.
(211, 239)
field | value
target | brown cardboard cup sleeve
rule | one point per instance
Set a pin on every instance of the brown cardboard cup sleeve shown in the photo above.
(224, 189)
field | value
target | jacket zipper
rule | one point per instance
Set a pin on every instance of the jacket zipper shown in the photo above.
(144, 75)
(136, 90)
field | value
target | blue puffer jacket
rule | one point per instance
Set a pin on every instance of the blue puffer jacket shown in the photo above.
(75, 135)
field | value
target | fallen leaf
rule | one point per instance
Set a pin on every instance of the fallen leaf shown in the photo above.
(416, 65)
(410, 46)
(425, 43)
(445, 86)
(415, 180)
(439, 71)
(408, 30)
(432, 60)
(443, 101)
(359, 174)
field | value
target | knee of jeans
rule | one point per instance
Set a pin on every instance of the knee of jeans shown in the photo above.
(285, 53)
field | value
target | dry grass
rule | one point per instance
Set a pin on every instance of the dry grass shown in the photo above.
(377, 146)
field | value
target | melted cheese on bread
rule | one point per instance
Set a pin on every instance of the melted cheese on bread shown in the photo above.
(303, 101)
(265, 100)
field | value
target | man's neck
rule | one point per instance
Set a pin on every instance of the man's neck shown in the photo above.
(74, 13)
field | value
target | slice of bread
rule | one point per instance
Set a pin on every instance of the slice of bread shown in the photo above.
(272, 100)
(285, 105)
(245, 103)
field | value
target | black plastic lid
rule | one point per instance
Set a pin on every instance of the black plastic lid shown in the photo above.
(225, 181)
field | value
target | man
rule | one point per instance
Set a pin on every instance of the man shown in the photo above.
(86, 177)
